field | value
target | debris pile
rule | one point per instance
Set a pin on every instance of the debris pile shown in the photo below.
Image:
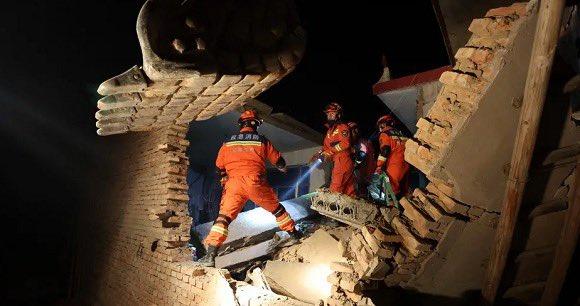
(387, 247)
(394, 247)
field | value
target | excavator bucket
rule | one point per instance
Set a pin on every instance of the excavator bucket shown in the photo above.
(200, 59)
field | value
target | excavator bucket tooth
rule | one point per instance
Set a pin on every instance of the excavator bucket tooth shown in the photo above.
(132, 80)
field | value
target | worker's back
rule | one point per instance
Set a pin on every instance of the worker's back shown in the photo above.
(246, 153)
(395, 139)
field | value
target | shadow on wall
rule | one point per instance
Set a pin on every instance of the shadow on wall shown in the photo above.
(204, 194)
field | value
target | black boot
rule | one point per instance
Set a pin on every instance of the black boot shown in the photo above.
(209, 259)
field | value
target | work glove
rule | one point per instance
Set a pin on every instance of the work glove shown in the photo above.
(324, 156)
(315, 157)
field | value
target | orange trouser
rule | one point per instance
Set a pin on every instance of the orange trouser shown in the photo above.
(397, 172)
(237, 191)
(343, 180)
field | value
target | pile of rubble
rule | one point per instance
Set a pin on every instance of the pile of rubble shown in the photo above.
(369, 252)
(401, 247)
(390, 246)
(371, 247)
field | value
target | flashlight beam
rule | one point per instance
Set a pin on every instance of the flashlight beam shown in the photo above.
(302, 178)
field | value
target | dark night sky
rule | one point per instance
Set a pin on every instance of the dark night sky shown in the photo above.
(343, 56)
(55, 53)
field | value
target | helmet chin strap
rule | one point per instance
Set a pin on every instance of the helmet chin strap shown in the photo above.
(253, 124)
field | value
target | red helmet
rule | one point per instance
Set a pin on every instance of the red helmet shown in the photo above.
(333, 108)
(249, 115)
(387, 119)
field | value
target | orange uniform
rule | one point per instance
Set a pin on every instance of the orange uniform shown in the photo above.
(337, 146)
(392, 157)
(243, 159)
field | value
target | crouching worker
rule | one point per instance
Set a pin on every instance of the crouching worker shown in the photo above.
(241, 164)
(392, 155)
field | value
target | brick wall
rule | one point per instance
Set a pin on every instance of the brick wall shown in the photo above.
(135, 250)
(466, 139)
(133, 245)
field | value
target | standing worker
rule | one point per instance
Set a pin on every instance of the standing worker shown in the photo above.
(364, 158)
(241, 164)
(337, 147)
(392, 154)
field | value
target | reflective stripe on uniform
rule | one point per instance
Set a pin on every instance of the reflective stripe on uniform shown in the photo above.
(338, 148)
(243, 143)
(279, 211)
(382, 158)
(220, 230)
(284, 221)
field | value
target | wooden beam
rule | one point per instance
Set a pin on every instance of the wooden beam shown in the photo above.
(565, 248)
(545, 40)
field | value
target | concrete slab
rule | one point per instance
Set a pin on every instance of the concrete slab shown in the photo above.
(256, 221)
(248, 295)
(243, 255)
(303, 281)
(354, 212)
(458, 264)
(321, 248)
(219, 291)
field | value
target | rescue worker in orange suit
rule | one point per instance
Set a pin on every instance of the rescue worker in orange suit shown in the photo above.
(337, 147)
(392, 154)
(241, 164)
(364, 158)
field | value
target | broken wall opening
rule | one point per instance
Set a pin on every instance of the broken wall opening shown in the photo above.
(206, 137)
(139, 230)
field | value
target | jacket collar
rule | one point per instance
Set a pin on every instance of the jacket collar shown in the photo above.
(248, 130)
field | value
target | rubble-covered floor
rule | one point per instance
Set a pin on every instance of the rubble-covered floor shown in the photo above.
(353, 253)
(322, 269)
